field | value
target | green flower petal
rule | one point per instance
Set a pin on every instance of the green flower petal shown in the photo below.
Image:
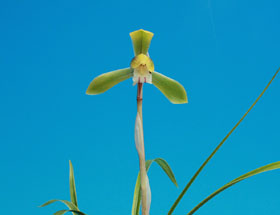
(141, 40)
(107, 80)
(172, 89)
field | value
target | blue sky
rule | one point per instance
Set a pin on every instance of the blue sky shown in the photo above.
(223, 52)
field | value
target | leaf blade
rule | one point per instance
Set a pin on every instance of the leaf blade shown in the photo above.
(105, 81)
(136, 197)
(172, 89)
(166, 168)
(73, 193)
(269, 167)
(61, 212)
(218, 147)
(70, 205)
(77, 212)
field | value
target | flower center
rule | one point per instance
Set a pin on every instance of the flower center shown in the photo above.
(143, 67)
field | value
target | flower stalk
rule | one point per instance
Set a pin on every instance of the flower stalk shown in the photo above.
(140, 99)
(139, 141)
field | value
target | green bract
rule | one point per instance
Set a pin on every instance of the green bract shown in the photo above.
(137, 192)
(142, 71)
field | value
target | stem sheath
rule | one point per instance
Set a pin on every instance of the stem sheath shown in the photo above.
(142, 162)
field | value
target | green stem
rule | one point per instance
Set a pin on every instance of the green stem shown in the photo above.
(218, 147)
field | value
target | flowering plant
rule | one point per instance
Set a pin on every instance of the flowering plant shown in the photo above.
(142, 71)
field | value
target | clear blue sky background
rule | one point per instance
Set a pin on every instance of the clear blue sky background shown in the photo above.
(223, 52)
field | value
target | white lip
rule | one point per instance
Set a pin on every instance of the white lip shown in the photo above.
(143, 77)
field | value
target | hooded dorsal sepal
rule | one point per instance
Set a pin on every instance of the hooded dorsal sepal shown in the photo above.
(141, 40)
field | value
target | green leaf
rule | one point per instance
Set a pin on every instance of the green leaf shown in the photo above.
(218, 147)
(141, 40)
(107, 80)
(70, 205)
(137, 191)
(166, 168)
(136, 197)
(61, 212)
(172, 89)
(259, 170)
(73, 193)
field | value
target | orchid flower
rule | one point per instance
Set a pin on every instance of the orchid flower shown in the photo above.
(141, 70)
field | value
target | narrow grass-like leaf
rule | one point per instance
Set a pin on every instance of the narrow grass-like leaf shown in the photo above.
(166, 168)
(137, 191)
(107, 80)
(141, 40)
(73, 193)
(218, 147)
(172, 89)
(77, 212)
(70, 205)
(49, 202)
(136, 197)
(259, 170)
(61, 212)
